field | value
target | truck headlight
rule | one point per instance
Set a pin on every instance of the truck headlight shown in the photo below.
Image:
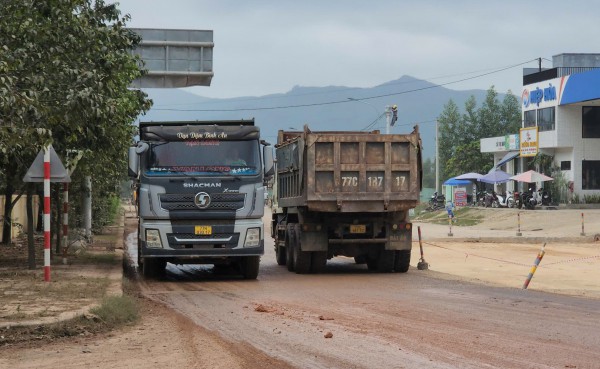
(252, 237)
(153, 238)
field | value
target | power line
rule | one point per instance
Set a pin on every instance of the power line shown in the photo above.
(346, 101)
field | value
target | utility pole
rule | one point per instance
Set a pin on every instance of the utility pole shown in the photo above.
(437, 158)
(388, 119)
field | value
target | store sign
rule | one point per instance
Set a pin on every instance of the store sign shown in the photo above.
(511, 142)
(460, 196)
(529, 141)
(538, 95)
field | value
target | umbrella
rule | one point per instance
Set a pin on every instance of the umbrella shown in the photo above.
(496, 176)
(470, 175)
(456, 182)
(531, 176)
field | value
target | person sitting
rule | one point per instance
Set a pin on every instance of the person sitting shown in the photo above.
(235, 159)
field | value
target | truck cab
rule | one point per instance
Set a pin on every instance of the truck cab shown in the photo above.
(200, 194)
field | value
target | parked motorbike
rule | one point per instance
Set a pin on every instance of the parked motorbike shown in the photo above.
(488, 199)
(528, 199)
(504, 201)
(437, 201)
(546, 198)
(481, 198)
(517, 197)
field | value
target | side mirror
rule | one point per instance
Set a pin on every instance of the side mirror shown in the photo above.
(269, 168)
(134, 162)
(141, 148)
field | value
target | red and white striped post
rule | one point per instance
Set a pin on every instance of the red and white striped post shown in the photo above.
(47, 214)
(65, 226)
(582, 227)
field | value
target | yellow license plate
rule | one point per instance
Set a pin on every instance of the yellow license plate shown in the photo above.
(203, 230)
(358, 228)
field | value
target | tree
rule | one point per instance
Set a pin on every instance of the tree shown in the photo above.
(449, 124)
(66, 67)
(510, 114)
(460, 136)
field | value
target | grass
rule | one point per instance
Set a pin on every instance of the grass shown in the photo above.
(116, 311)
(464, 216)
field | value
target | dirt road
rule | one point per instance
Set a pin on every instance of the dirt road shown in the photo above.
(350, 318)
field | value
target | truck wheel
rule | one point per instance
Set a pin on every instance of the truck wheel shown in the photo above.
(361, 259)
(153, 267)
(301, 258)
(318, 261)
(402, 261)
(385, 261)
(280, 254)
(249, 266)
(371, 263)
(290, 236)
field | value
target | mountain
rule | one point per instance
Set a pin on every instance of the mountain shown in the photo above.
(322, 108)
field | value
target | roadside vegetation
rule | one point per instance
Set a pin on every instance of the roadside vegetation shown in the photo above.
(463, 216)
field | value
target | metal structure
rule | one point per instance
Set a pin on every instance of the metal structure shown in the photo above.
(175, 58)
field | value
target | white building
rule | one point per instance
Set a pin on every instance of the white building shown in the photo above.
(561, 118)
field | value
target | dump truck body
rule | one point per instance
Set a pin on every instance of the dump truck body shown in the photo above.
(345, 193)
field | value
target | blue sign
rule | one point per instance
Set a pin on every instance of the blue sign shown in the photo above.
(538, 95)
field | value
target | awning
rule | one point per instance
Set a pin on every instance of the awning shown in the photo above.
(510, 156)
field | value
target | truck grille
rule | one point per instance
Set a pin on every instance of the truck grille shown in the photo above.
(219, 201)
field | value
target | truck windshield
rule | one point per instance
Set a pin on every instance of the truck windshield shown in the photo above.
(207, 157)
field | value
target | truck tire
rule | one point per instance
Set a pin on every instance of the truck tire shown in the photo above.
(385, 261)
(361, 259)
(290, 236)
(153, 267)
(318, 261)
(402, 261)
(280, 254)
(249, 266)
(302, 259)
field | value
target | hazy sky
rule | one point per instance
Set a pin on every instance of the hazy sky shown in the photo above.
(265, 47)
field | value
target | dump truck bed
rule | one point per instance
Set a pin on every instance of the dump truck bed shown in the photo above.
(350, 171)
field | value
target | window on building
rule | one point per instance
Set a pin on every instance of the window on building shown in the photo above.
(545, 119)
(565, 165)
(529, 118)
(590, 122)
(590, 175)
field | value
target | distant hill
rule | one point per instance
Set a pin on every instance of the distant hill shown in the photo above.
(419, 102)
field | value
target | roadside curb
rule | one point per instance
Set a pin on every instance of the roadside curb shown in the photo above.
(115, 288)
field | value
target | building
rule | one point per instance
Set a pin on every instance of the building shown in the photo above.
(560, 119)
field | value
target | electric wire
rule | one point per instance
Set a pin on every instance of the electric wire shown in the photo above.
(347, 101)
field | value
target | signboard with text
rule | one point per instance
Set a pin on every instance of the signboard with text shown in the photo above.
(529, 141)
(460, 196)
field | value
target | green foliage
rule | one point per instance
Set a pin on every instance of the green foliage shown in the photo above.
(65, 71)
(459, 135)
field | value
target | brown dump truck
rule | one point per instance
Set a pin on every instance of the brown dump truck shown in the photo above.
(345, 194)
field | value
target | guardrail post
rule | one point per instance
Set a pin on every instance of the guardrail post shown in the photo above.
(538, 259)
